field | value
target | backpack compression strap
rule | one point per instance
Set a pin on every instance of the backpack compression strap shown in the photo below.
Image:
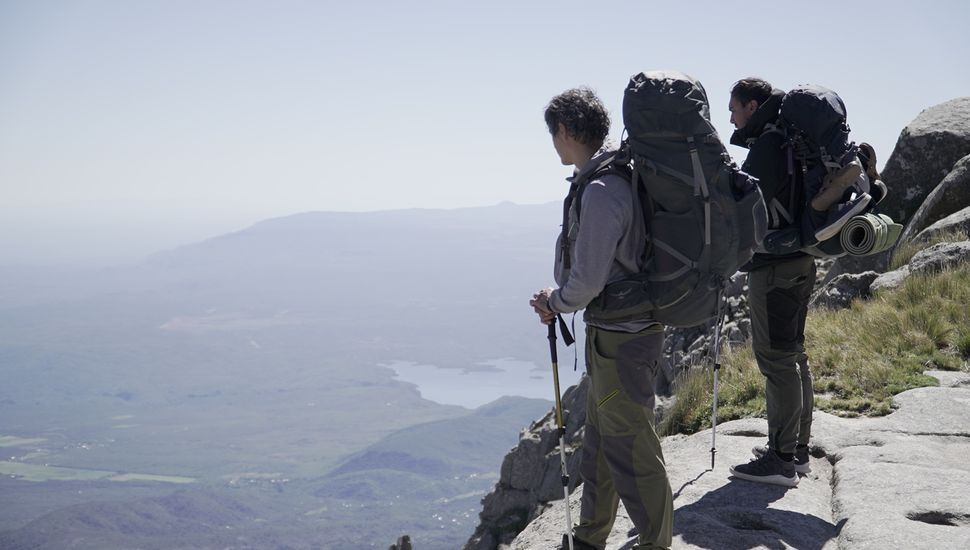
(699, 183)
(700, 188)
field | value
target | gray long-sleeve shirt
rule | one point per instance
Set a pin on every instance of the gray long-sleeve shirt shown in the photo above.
(605, 245)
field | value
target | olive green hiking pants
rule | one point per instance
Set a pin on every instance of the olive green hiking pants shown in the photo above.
(622, 458)
(778, 296)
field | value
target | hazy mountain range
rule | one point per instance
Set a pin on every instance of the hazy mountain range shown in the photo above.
(243, 375)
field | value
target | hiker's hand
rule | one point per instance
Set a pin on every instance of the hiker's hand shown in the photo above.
(540, 303)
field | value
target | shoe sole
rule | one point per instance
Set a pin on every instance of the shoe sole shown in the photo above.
(771, 480)
(833, 230)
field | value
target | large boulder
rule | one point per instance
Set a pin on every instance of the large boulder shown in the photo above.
(951, 195)
(925, 153)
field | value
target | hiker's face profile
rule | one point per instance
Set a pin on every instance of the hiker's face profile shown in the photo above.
(562, 142)
(741, 113)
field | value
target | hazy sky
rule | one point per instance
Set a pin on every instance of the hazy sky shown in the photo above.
(131, 126)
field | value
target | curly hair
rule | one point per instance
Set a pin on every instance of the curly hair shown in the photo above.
(583, 115)
(751, 89)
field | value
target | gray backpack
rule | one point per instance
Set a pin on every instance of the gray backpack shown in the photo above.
(703, 216)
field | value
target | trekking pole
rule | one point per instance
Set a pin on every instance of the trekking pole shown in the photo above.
(562, 430)
(717, 368)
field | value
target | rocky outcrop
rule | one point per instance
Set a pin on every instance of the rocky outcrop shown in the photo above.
(846, 502)
(530, 474)
(923, 171)
(925, 153)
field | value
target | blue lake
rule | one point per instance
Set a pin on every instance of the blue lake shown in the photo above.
(473, 388)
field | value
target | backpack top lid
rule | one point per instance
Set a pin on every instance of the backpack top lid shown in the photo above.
(665, 105)
(816, 112)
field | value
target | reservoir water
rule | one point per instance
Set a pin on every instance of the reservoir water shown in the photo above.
(473, 388)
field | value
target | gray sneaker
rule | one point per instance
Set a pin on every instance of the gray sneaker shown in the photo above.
(768, 468)
(802, 463)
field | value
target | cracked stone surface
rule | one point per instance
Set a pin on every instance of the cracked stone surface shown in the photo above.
(900, 481)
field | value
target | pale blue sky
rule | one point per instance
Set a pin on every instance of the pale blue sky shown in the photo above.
(126, 127)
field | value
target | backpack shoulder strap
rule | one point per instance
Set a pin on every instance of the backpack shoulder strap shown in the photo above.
(611, 165)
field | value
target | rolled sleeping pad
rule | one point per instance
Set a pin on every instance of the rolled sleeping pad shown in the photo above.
(869, 234)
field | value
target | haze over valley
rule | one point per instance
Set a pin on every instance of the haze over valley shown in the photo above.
(286, 373)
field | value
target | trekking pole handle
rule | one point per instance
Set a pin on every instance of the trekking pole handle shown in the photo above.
(552, 342)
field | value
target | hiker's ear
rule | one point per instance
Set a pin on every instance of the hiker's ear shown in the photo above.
(752, 106)
(561, 131)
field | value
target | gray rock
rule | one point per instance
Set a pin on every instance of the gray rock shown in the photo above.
(940, 256)
(840, 291)
(525, 463)
(925, 153)
(937, 257)
(890, 279)
(957, 221)
(951, 195)
(894, 482)
(951, 379)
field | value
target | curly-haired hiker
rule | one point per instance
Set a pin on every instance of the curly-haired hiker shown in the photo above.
(600, 243)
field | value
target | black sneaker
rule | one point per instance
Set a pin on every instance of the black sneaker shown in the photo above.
(577, 544)
(802, 463)
(769, 468)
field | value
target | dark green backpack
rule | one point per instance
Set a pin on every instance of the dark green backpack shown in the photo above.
(703, 216)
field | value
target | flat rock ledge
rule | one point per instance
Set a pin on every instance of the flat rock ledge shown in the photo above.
(899, 481)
